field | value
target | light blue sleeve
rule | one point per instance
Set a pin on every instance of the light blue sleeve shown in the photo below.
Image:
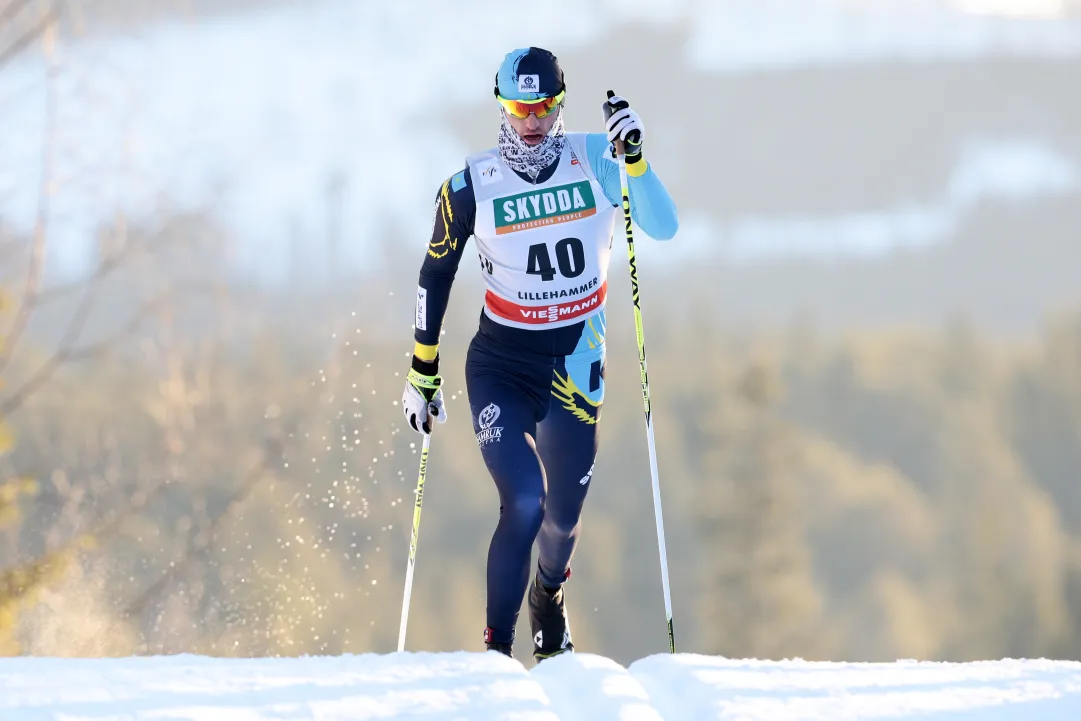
(652, 208)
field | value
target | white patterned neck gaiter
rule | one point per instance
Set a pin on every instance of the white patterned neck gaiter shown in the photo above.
(530, 159)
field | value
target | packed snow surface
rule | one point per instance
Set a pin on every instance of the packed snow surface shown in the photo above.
(464, 686)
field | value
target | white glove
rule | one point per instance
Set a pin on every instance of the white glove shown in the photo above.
(422, 400)
(622, 122)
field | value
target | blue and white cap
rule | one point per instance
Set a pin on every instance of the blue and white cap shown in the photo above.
(529, 74)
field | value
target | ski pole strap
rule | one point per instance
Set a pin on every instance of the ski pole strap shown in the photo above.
(424, 370)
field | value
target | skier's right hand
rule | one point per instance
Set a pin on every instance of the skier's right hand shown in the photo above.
(422, 399)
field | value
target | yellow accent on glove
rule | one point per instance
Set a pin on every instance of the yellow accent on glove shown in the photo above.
(427, 385)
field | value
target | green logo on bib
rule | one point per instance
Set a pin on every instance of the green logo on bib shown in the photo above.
(561, 204)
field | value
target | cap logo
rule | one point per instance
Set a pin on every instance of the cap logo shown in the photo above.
(528, 83)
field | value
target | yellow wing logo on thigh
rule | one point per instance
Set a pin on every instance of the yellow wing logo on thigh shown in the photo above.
(573, 399)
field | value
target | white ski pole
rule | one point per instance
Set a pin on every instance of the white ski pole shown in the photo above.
(413, 540)
(635, 296)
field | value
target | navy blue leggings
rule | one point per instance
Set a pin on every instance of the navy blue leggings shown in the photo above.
(536, 423)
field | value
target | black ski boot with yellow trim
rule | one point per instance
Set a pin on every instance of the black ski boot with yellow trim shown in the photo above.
(548, 621)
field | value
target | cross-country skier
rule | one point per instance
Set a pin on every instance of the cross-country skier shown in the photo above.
(542, 205)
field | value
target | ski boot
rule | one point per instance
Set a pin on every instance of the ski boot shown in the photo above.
(490, 645)
(548, 621)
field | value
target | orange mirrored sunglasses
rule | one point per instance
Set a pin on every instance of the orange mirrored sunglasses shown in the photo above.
(541, 108)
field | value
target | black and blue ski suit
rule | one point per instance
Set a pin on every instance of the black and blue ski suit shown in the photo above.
(535, 368)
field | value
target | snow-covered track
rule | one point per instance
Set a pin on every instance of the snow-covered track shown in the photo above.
(466, 686)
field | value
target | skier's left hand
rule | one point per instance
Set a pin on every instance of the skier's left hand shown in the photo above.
(621, 121)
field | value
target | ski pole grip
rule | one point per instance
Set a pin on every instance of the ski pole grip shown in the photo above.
(618, 142)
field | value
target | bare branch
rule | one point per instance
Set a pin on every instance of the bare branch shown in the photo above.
(272, 449)
(15, 581)
(67, 353)
(12, 10)
(31, 35)
(106, 266)
(37, 253)
(139, 499)
(9, 247)
(16, 399)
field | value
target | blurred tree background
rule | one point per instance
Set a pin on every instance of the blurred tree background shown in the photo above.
(196, 462)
